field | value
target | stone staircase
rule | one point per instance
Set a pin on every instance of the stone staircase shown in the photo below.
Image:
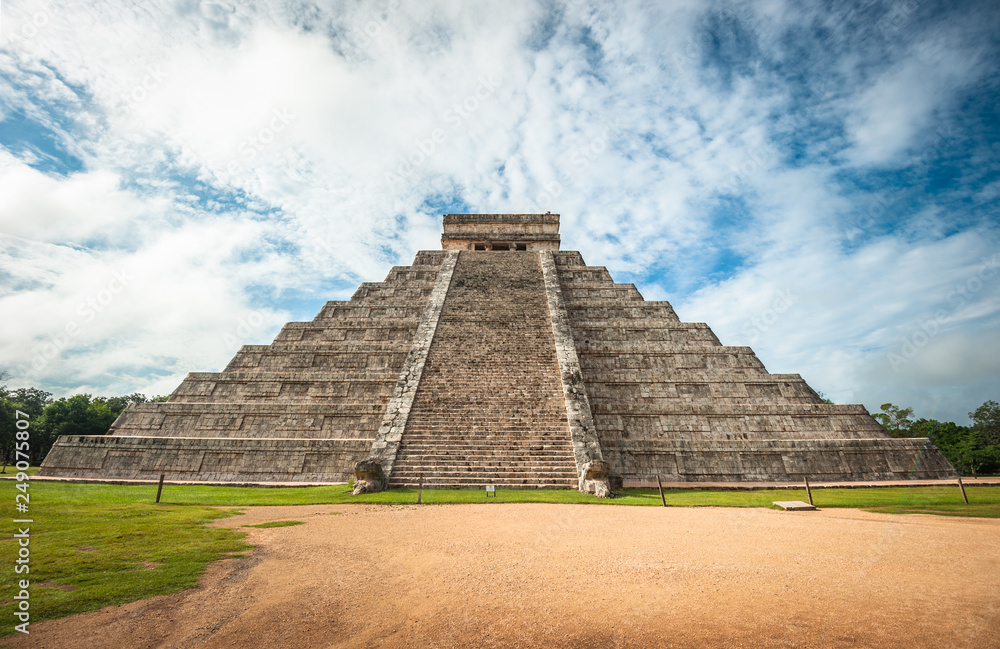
(490, 407)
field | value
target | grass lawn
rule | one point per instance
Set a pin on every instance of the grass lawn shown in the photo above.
(11, 471)
(93, 545)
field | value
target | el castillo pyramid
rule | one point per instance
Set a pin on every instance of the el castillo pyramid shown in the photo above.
(497, 360)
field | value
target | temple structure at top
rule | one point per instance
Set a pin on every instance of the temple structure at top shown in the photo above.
(498, 360)
(524, 232)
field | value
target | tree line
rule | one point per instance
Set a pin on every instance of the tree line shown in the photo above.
(80, 414)
(972, 450)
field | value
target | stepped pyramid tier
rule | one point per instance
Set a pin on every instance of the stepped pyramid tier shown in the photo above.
(499, 360)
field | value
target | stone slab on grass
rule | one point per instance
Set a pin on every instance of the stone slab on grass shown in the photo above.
(794, 505)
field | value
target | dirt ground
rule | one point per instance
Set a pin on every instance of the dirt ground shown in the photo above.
(535, 575)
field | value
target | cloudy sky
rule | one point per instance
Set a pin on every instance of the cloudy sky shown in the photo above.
(817, 180)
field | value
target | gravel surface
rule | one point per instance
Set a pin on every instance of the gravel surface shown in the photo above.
(535, 575)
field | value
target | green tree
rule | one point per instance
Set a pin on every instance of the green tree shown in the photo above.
(8, 427)
(974, 456)
(118, 404)
(964, 446)
(986, 419)
(76, 415)
(895, 420)
(30, 401)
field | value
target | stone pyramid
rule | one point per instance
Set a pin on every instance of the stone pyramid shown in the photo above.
(497, 360)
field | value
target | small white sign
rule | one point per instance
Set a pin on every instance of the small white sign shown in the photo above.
(490, 489)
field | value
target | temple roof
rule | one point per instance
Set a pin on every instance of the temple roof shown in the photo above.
(500, 232)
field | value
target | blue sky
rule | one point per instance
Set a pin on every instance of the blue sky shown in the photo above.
(819, 181)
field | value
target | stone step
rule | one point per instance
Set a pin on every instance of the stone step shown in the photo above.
(494, 441)
(496, 424)
(500, 469)
(474, 410)
(486, 429)
(482, 480)
(487, 413)
(439, 405)
(462, 473)
(472, 413)
(530, 401)
(431, 457)
(487, 476)
(470, 408)
(457, 454)
(479, 431)
(468, 450)
(472, 447)
(451, 460)
(493, 426)
(486, 438)
(459, 416)
(470, 388)
(479, 482)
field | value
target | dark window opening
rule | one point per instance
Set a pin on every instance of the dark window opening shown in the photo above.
(500, 246)
(522, 246)
(480, 246)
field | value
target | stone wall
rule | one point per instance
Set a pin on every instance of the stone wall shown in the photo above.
(769, 460)
(205, 459)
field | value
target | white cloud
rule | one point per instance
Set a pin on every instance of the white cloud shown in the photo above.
(113, 320)
(901, 107)
(75, 209)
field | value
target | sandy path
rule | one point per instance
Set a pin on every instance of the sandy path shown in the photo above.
(574, 576)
